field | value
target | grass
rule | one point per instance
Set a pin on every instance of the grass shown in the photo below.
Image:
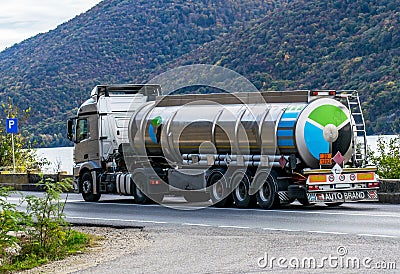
(76, 242)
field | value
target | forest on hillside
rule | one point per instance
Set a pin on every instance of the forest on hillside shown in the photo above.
(114, 42)
(278, 45)
(321, 45)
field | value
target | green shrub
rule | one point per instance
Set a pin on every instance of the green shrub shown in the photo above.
(388, 158)
(50, 228)
(11, 223)
(47, 236)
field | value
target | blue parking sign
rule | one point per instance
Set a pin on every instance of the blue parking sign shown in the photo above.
(12, 125)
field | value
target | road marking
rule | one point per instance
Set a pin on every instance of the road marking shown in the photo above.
(116, 220)
(281, 229)
(377, 235)
(308, 212)
(233, 226)
(190, 224)
(327, 232)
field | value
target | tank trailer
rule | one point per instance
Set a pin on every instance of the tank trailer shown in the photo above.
(246, 149)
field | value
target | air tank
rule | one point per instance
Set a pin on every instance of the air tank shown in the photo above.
(285, 123)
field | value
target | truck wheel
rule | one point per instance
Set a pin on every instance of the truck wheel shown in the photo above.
(196, 197)
(303, 201)
(139, 197)
(87, 188)
(219, 192)
(241, 195)
(267, 196)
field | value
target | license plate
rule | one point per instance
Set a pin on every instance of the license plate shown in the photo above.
(367, 195)
(342, 186)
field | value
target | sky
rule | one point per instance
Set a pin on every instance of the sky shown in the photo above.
(22, 19)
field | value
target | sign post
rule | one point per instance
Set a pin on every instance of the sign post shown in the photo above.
(12, 128)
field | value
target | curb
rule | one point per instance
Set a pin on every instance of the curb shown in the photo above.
(389, 191)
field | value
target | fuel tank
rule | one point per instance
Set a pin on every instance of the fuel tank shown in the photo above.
(283, 123)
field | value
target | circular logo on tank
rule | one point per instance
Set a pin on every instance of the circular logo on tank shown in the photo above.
(331, 133)
(323, 127)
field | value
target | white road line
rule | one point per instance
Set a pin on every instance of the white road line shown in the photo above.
(308, 212)
(117, 220)
(190, 224)
(233, 226)
(237, 227)
(281, 229)
(378, 236)
(327, 232)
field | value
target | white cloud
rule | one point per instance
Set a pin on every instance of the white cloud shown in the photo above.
(21, 19)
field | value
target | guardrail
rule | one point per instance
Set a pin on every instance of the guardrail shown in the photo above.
(389, 191)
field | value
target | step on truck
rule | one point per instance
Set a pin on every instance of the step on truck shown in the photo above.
(246, 149)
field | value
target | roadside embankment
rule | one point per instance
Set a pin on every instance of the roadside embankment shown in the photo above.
(389, 191)
(28, 181)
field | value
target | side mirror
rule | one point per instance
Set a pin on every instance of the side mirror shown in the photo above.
(70, 128)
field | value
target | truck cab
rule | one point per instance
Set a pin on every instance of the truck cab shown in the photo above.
(98, 131)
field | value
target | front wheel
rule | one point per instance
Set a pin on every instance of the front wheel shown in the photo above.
(87, 188)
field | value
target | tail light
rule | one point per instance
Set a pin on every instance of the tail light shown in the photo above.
(369, 185)
(312, 187)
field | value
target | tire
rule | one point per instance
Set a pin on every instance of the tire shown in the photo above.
(334, 204)
(240, 194)
(139, 197)
(267, 195)
(218, 189)
(196, 197)
(303, 201)
(87, 188)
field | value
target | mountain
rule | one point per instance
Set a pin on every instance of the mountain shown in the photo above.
(287, 44)
(321, 45)
(114, 42)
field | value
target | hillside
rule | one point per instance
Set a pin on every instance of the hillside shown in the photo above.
(321, 44)
(114, 42)
(279, 45)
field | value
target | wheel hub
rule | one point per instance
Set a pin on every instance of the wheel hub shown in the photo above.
(86, 187)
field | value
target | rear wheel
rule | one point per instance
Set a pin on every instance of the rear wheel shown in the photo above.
(267, 195)
(303, 201)
(87, 188)
(241, 195)
(139, 197)
(219, 191)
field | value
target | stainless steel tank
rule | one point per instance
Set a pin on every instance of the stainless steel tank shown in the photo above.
(242, 124)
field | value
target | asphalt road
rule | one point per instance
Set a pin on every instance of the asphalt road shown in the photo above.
(230, 240)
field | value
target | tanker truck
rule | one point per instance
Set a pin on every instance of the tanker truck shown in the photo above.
(244, 149)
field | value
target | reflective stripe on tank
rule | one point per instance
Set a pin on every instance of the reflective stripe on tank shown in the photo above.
(286, 126)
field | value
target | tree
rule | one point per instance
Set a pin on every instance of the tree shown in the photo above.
(388, 158)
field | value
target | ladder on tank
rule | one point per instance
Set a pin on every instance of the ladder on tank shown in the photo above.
(358, 126)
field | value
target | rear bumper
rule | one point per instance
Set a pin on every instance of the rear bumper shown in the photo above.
(343, 195)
